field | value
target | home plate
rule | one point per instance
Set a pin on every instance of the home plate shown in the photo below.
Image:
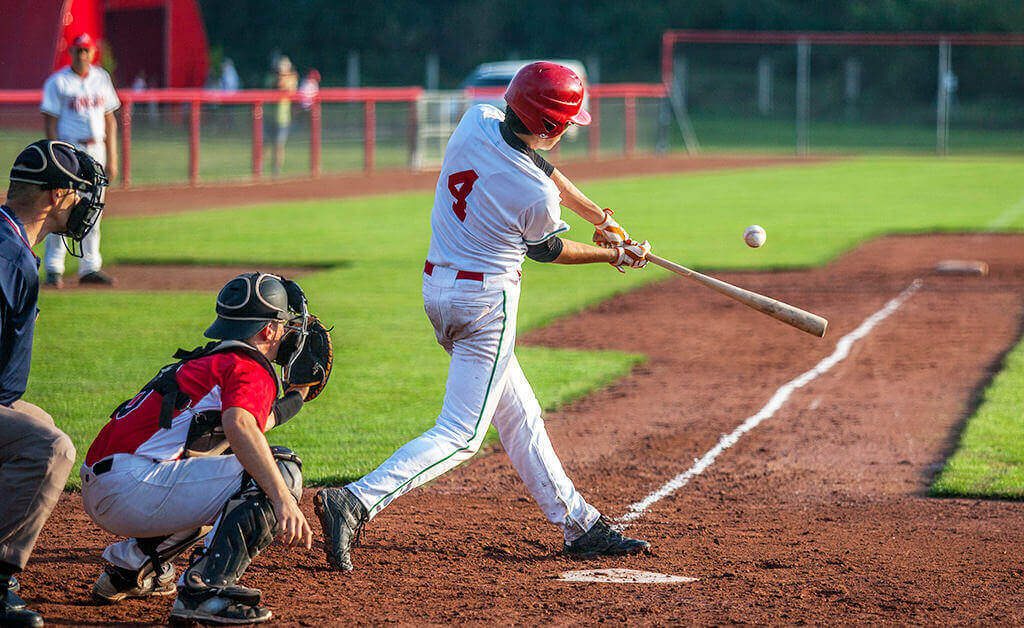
(629, 576)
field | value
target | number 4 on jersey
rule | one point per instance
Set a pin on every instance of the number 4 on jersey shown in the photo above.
(460, 185)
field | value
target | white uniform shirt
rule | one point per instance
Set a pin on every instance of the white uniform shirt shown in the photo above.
(79, 103)
(492, 199)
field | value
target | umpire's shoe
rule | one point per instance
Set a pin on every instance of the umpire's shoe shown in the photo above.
(604, 540)
(116, 584)
(12, 608)
(342, 517)
(218, 605)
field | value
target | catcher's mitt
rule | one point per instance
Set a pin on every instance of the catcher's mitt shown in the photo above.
(312, 366)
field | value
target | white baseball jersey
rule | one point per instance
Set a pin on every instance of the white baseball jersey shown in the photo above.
(79, 103)
(494, 197)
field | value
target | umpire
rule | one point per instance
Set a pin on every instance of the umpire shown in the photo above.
(55, 188)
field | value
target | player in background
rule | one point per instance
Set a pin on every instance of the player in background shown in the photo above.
(160, 473)
(497, 201)
(55, 189)
(78, 107)
(286, 80)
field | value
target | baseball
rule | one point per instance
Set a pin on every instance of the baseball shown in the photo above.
(754, 236)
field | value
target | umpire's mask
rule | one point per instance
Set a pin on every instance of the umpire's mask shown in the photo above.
(246, 304)
(55, 165)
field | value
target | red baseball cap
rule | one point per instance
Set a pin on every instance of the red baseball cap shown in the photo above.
(84, 41)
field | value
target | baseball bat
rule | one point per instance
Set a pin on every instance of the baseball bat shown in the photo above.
(802, 320)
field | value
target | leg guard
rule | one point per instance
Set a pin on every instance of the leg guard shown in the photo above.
(246, 527)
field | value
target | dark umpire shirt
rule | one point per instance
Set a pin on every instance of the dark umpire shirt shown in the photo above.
(19, 294)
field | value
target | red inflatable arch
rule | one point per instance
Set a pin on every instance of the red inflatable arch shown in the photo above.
(164, 39)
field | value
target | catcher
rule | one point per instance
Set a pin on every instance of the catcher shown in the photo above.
(188, 452)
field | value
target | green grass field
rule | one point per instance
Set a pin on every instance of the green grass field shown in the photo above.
(94, 349)
(778, 134)
(989, 461)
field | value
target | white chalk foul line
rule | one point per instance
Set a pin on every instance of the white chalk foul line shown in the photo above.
(780, 397)
(1004, 219)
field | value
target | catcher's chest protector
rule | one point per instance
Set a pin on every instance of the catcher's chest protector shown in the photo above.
(205, 435)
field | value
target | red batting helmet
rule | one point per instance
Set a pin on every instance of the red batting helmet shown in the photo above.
(547, 97)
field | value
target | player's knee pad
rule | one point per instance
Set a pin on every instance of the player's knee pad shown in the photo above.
(246, 527)
(290, 466)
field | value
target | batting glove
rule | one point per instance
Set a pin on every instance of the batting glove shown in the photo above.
(632, 254)
(609, 233)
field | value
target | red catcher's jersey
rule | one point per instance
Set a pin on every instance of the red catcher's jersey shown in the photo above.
(230, 379)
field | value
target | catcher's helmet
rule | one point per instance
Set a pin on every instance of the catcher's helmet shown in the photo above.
(246, 304)
(547, 97)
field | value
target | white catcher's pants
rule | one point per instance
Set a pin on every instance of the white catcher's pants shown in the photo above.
(53, 260)
(143, 498)
(476, 323)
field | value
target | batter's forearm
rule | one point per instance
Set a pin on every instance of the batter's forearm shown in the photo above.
(580, 253)
(577, 201)
(49, 126)
(250, 446)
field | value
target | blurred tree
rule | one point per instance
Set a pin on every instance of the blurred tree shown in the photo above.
(394, 37)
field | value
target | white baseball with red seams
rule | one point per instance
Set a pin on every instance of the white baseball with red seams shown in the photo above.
(492, 200)
(754, 236)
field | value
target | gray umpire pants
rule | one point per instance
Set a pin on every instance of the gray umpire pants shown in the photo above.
(35, 459)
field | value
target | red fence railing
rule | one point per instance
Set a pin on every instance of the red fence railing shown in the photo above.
(185, 107)
(848, 38)
(257, 100)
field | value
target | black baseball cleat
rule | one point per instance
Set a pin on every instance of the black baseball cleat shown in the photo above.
(13, 601)
(218, 605)
(96, 278)
(604, 540)
(13, 611)
(342, 517)
(116, 584)
(54, 280)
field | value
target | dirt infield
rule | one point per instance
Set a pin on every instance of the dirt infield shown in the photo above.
(818, 515)
(169, 200)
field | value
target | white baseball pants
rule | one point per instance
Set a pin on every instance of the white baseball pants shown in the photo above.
(143, 498)
(475, 322)
(53, 260)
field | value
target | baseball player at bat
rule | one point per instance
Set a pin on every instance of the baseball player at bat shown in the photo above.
(161, 473)
(497, 201)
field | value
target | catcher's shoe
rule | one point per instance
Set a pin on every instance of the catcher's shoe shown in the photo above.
(216, 605)
(342, 517)
(604, 540)
(116, 584)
